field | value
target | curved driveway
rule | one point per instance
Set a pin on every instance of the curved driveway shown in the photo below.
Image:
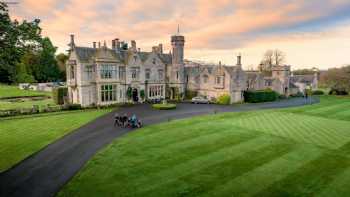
(44, 173)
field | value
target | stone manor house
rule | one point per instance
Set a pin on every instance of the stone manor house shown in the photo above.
(99, 75)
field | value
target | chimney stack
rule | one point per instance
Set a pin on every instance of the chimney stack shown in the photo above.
(160, 48)
(239, 60)
(99, 44)
(94, 45)
(113, 44)
(117, 44)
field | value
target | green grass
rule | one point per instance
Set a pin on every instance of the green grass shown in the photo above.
(167, 106)
(303, 151)
(7, 91)
(4, 105)
(20, 137)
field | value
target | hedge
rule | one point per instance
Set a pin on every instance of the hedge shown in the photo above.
(224, 99)
(260, 96)
(58, 95)
(164, 106)
(335, 91)
(317, 92)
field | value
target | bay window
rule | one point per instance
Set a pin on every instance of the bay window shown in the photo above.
(108, 93)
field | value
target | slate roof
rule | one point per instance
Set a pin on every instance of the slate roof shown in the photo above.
(292, 85)
(302, 78)
(86, 54)
(252, 75)
(166, 58)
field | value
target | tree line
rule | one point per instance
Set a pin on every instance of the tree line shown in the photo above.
(25, 55)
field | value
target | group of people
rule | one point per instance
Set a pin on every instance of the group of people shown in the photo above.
(125, 121)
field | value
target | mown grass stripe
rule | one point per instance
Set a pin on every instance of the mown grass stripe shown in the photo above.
(161, 158)
(173, 173)
(339, 187)
(266, 175)
(309, 179)
(125, 175)
(200, 181)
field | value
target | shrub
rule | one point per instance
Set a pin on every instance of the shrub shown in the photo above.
(260, 96)
(142, 94)
(190, 94)
(129, 93)
(224, 99)
(59, 94)
(335, 91)
(72, 107)
(167, 106)
(317, 92)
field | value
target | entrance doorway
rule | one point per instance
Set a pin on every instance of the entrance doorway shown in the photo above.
(135, 96)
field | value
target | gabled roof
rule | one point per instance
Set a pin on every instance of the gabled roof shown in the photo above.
(302, 78)
(166, 58)
(84, 53)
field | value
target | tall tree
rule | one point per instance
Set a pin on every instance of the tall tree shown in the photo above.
(48, 67)
(61, 61)
(15, 39)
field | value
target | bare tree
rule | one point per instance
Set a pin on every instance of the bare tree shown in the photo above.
(272, 57)
(279, 57)
(267, 60)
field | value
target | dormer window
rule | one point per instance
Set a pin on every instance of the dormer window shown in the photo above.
(154, 60)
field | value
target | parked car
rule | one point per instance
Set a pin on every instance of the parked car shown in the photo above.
(200, 100)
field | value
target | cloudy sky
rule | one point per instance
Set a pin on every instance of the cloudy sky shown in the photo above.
(310, 32)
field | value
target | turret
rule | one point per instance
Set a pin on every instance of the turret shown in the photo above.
(177, 43)
(178, 70)
(71, 43)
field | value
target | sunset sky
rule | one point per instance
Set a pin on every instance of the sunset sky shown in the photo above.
(310, 32)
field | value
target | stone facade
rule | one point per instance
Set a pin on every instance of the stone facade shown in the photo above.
(101, 76)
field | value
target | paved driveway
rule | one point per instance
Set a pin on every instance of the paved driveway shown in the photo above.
(44, 173)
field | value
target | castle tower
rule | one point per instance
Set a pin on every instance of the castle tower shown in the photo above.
(178, 71)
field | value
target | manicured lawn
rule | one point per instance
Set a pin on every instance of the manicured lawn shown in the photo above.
(13, 91)
(25, 104)
(302, 151)
(23, 136)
